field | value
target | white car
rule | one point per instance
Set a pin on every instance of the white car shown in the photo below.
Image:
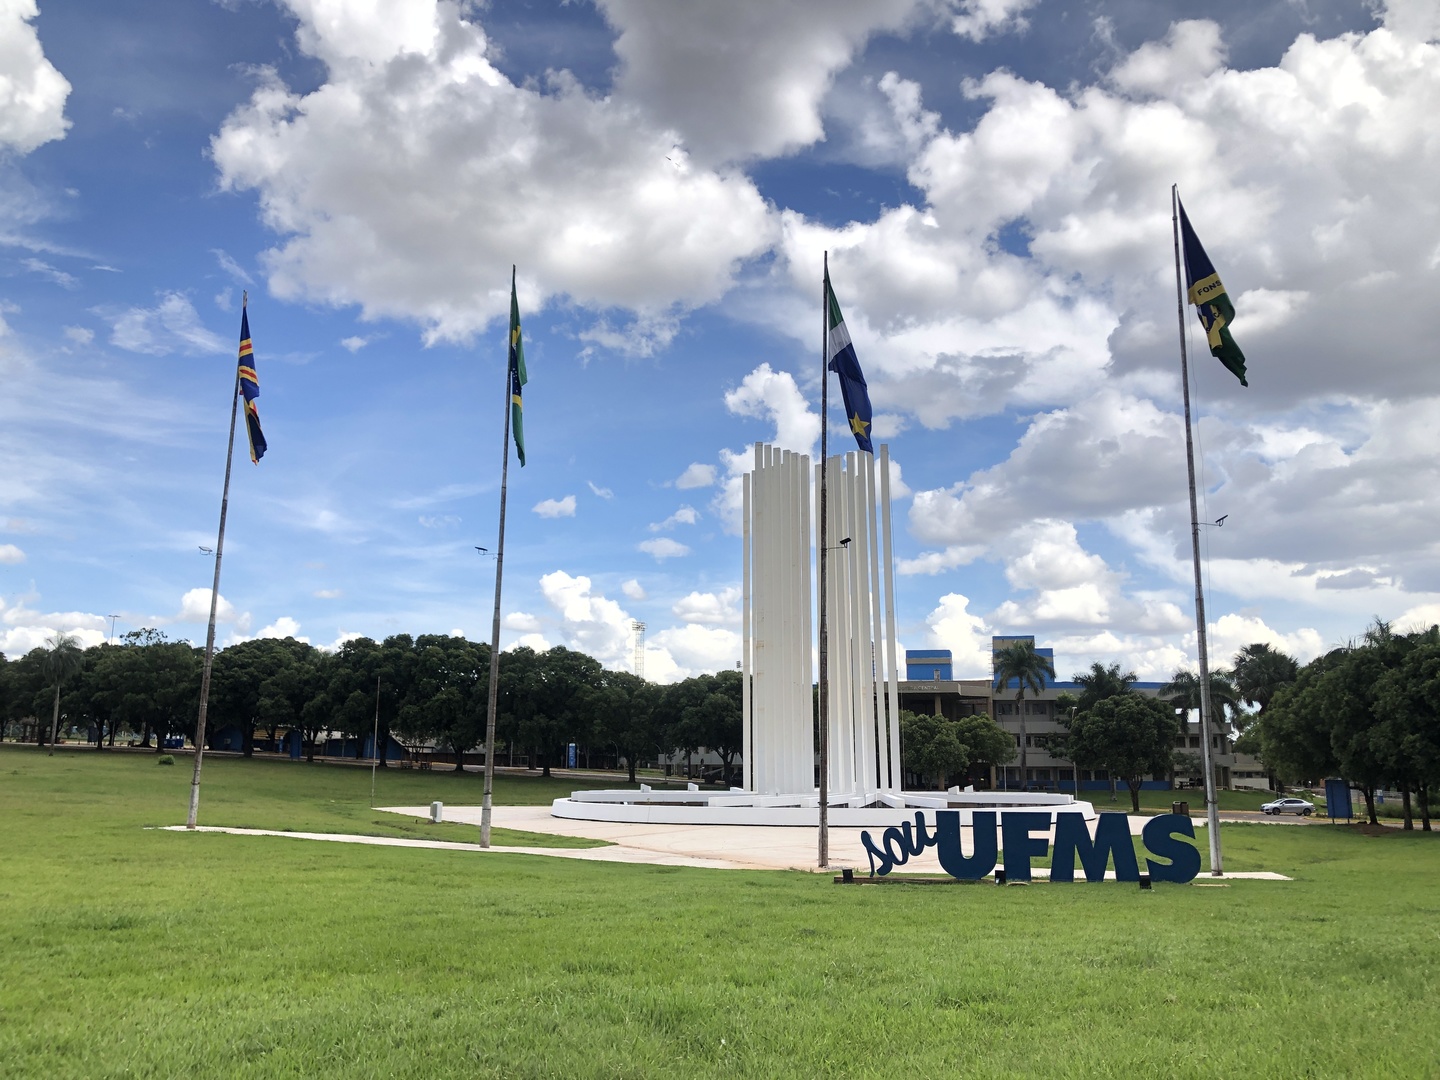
(1289, 806)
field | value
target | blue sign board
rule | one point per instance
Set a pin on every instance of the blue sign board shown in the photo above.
(1174, 858)
(1337, 798)
(570, 756)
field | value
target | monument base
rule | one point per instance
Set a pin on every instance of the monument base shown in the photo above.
(873, 810)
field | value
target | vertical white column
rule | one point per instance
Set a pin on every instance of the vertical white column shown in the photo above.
(867, 633)
(747, 720)
(842, 642)
(890, 648)
(878, 669)
(764, 747)
(805, 700)
(820, 673)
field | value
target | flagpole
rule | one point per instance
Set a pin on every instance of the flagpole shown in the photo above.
(193, 817)
(824, 650)
(375, 743)
(494, 688)
(1212, 811)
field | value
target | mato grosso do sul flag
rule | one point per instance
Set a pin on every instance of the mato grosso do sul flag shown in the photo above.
(1204, 290)
(845, 364)
(517, 374)
(250, 387)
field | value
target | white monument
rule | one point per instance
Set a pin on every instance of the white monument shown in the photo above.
(778, 663)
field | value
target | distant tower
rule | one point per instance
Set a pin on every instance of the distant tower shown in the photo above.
(639, 628)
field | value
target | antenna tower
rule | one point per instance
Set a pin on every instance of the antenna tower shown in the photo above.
(639, 628)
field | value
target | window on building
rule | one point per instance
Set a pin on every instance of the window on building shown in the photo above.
(1194, 742)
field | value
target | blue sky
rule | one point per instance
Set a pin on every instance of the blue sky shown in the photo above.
(991, 178)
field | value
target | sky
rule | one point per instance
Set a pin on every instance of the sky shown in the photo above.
(990, 178)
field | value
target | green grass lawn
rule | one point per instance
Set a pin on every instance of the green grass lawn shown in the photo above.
(148, 953)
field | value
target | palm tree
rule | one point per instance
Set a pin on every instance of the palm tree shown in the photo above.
(64, 659)
(1021, 664)
(1183, 692)
(1102, 682)
(1260, 671)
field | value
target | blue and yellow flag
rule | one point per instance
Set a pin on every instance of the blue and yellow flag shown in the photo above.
(250, 387)
(1205, 291)
(845, 364)
(517, 373)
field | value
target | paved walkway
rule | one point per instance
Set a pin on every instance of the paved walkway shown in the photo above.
(715, 847)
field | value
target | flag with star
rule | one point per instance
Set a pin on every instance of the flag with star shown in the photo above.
(517, 373)
(1210, 299)
(250, 388)
(843, 362)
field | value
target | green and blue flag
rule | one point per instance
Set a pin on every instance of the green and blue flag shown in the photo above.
(1205, 291)
(845, 364)
(517, 373)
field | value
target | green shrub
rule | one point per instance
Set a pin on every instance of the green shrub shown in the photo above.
(165, 759)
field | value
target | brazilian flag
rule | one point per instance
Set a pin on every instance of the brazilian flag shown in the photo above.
(1205, 291)
(517, 373)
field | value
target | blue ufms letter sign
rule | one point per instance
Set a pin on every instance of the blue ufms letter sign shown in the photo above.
(1110, 846)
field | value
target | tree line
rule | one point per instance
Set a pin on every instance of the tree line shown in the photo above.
(427, 690)
(1368, 711)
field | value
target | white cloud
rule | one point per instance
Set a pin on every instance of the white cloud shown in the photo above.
(556, 508)
(710, 609)
(745, 78)
(686, 515)
(439, 521)
(231, 267)
(23, 629)
(326, 594)
(662, 547)
(195, 608)
(354, 344)
(693, 649)
(521, 620)
(978, 19)
(599, 492)
(590, 622)
(633, 590)
(172, 325)
(50, 273)
(79, 335)
(953, 626)
(10, 555)
(1191, 51)
(696, 475)
(283, 627)
(32, 92)
(592, 189)
(773, 395)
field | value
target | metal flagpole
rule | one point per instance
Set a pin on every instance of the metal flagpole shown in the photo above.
(1212, 810)
(824, 683)
(375, 743)
(194, 814)
(494, 689)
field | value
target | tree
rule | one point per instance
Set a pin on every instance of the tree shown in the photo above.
(931, 746)
(1260, 671)
(1128, 735)
(1101, 682)
(63, 660)
(625, 709)
(1409, 699)
(1183, 692)
(1019, 663)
